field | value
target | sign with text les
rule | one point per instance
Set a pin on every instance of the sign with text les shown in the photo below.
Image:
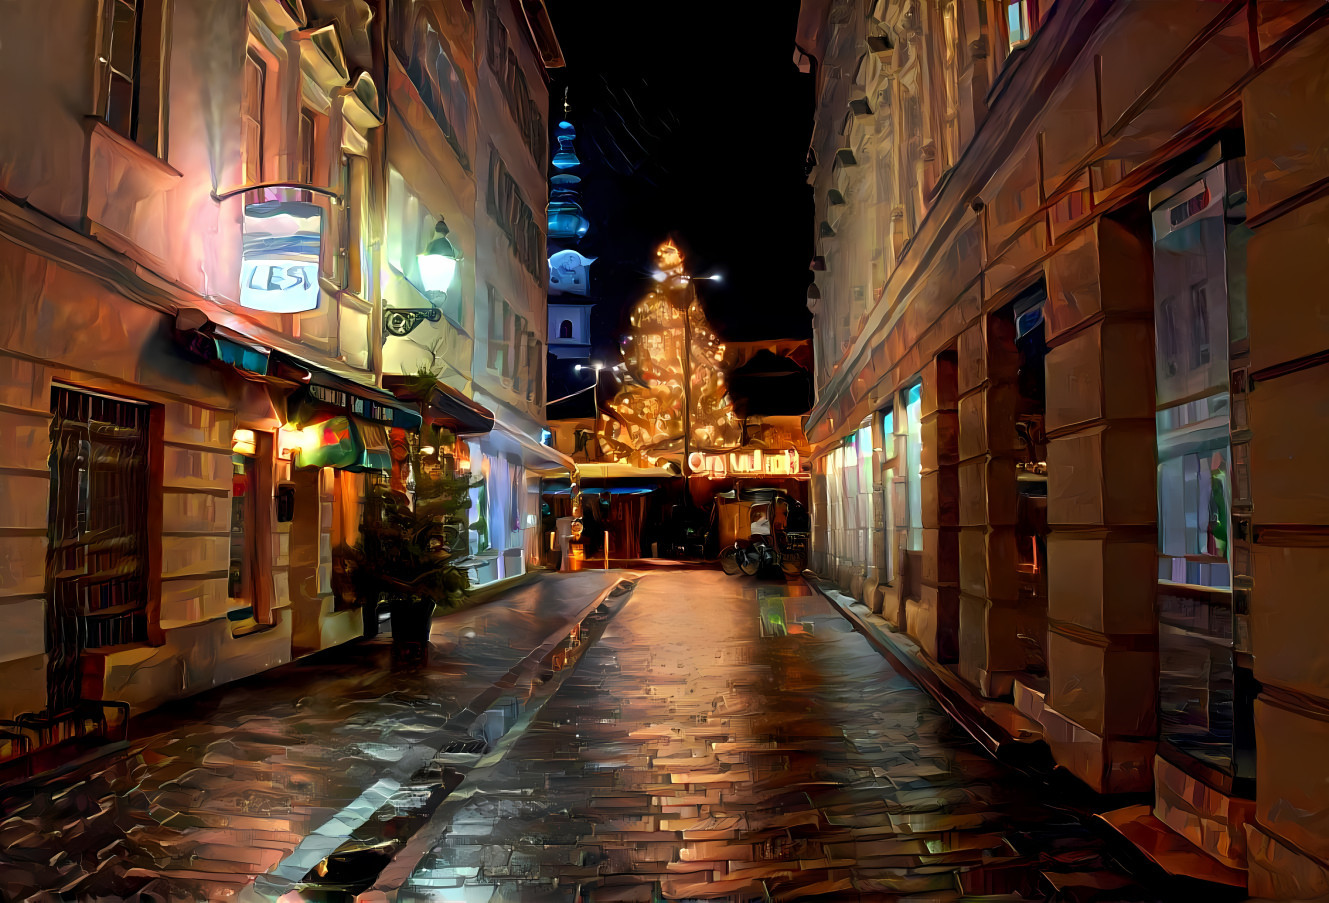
(282, 244)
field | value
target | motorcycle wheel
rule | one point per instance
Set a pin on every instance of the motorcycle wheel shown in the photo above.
(729, 561)
(750, 561)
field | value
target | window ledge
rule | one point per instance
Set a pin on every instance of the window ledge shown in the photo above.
(243, 630)
(100, 132)
(353, 298)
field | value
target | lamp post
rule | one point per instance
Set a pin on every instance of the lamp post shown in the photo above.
(595, 395)
(687, 371)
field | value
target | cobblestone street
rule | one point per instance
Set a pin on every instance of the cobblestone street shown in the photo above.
(691, 736)
(225, 786)
(733, 740)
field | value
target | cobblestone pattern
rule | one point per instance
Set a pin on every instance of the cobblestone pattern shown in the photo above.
(730, 741)
(222, 787)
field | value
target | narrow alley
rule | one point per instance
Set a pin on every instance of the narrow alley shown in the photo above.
(734, 740)
(602, 736)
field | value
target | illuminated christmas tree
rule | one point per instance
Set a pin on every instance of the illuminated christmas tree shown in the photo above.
(670, 339)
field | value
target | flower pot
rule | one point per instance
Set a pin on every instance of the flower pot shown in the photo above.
(412, 617)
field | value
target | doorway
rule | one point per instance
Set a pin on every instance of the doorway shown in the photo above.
(1024, 320)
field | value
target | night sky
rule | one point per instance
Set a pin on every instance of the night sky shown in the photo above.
(692, 121)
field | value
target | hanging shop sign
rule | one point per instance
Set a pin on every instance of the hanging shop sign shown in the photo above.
(283, 242)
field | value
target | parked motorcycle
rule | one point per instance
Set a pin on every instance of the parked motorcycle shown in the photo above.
(778, 540)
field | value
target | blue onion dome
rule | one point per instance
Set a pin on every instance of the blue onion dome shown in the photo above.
(566, 219)
(566, 157)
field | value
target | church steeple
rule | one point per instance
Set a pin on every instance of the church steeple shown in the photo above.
(568, 267)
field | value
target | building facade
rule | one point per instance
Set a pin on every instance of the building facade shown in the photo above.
(211, 229)
(1070, 379)
(468, 104)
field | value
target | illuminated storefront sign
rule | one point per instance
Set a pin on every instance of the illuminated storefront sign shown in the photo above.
(336, 442)
(283, 241)
(317, 444)
(749, 463)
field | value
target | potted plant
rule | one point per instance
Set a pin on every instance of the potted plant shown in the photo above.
(412, 537)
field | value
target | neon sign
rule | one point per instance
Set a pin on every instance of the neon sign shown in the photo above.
(282, 245)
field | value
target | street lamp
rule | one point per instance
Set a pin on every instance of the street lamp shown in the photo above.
(687, 371)
(439, 262)
(437, 265)
(595, 391)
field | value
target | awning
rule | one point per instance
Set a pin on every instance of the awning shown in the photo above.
(217, 344)
(445, 406)
(616, 469)
(307, 392)
(321, 393)
(535, 457)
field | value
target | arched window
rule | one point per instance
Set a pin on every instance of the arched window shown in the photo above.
(565, 329)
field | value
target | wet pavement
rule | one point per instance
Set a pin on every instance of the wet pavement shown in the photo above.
(732, 740)
(233, 783)
(693, 736)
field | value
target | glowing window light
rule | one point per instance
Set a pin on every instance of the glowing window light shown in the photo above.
(244, 442)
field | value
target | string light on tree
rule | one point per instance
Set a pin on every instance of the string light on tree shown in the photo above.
(660, 410)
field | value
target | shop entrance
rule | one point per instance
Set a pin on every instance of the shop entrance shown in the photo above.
(96, 575)
(1031, 526)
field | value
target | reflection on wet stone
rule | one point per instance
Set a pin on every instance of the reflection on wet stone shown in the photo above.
(693, 737)
(223, 788)
(723, 743)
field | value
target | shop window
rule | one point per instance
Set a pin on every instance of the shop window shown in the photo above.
(1190, 280)
(913, 408)
(98, 581)
(349, 491)
(863, 441)
(1204, 686)
(249, 608)
(239, 586)
(888, 475)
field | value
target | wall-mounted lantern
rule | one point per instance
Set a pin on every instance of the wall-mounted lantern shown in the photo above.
(437, 265)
